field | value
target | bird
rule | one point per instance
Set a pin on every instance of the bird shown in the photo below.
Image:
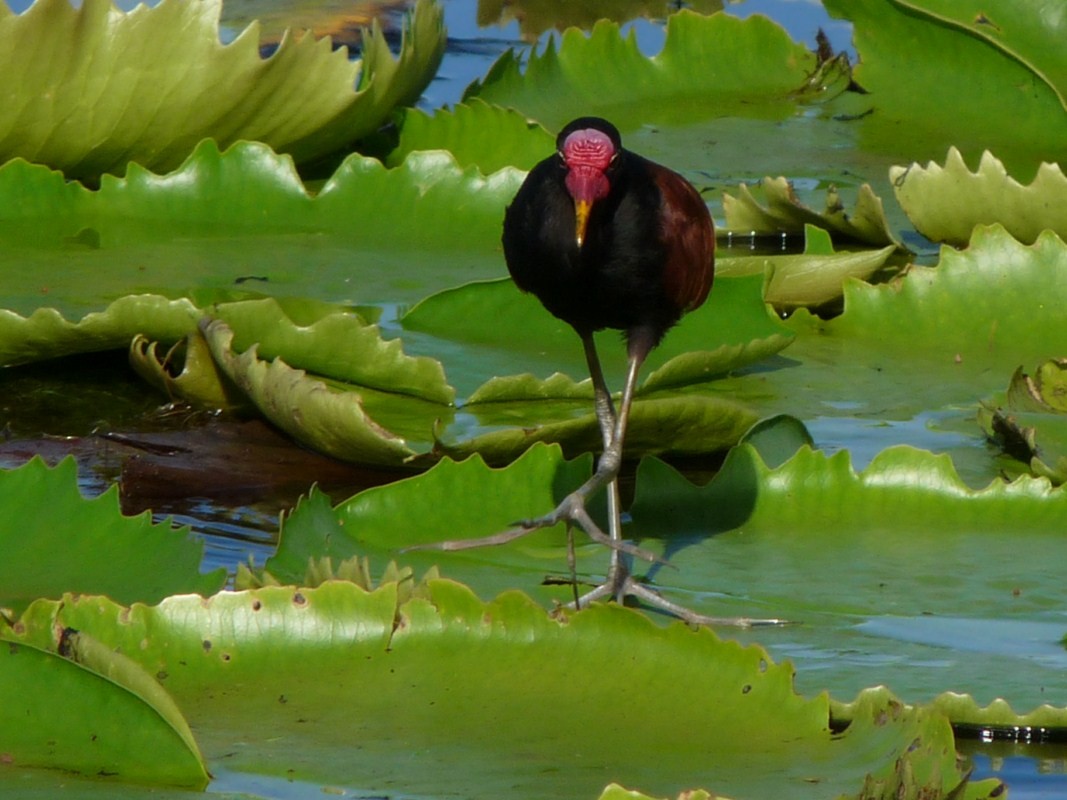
(608, 239)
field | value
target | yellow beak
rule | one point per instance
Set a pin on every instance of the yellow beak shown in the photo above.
(581, 219)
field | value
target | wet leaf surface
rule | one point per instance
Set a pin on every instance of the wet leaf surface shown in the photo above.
(904, 568)
(148, 85)
(946, 203)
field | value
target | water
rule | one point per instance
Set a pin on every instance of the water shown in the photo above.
(246, 531)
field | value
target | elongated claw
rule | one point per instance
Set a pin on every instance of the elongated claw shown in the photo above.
(622, 584)
(571, 511)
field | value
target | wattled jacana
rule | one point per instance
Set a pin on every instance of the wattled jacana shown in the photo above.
(607, 239)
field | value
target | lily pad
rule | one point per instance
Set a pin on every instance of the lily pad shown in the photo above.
(709, 66)
(338, 345)
(46, 334)
(241, 222)
(474, 132)
(178, 85)
(811, 279)
(956, 330)
(784, 213)
(438, 665)
(920, 545)
(683, 426)
(993, 720)
(986, 303)
(1027, 32)
(186, 372)
(930, 84)
(1030, 420)
(512, 332)
(946, 203)
(333, 422)
(84, 709)
(42, 514)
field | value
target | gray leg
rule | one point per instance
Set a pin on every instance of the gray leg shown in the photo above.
(572, 509)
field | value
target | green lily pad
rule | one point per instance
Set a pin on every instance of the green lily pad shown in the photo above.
(476, 133)
(811, 279)
(709, 66)
(784, 213)
(778, 438)
(1025, 31)
(331, 421)
(239, 660)
(241, 222)
(908, 362)
(46, 334)
(1030, 420)
(688, 425)
(511, 332)
(451, 500)
(178, 85)
(984, 303)
(84, 709)
(919, 542)
(186, 372)
(945, 203)
(931, 84)
(42, 515)
(338, 345)
(995, 718)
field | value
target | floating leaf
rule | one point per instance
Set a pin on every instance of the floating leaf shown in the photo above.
(511, 332)
(241, 221)
(1030, 420)
(931, 84)
(908, 361)
(186, 372)
(81, 708)
(46, 334)
(920, 546)
(178, 85)
(783, 213)
(526, 387)
(749, 496)
(246, 668)
(986, 303)
(688, 425)
(1026, 31)
(995, 719)
(336, 345)
(813, 278)
(946, 203)
(56, 541)
(709, 66)
(332, 422)
(475, 133)
(453, 499)
(778, 438)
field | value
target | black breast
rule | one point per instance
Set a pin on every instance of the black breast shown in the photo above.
(616, 279)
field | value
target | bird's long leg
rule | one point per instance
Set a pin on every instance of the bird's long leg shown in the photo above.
(613, 428)
(620, 582)
(572, 509)
(605, 412)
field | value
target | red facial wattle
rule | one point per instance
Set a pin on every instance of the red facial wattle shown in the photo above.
(587, 154)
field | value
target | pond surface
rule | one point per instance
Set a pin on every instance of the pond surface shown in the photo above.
(238, 521)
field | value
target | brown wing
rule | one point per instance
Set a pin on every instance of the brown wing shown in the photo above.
(688, 234)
